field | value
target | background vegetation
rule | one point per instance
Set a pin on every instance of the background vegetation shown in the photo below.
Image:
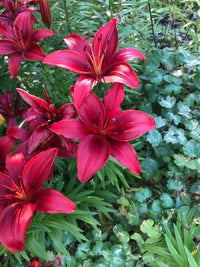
(122, 219)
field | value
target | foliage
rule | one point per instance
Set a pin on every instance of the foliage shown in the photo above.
(124, 219)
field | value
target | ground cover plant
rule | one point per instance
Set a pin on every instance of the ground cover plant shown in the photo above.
(99, 133)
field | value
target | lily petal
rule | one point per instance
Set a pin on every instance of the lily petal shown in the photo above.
(92, 112)
(6, 145)
(14, 63)
(6, 188)
(7, 47)
(14, 165)
(126, 155)
(35, 102)
(41, 34)
(93, 153)
(6, 30)
(130, 124)
(113, 99)
(122, 73)
(66, 111)
(14, 222)
(73, 129)
(23, 26)
(78, 43)
(126, 54)
(48, 200)
(38, 170)
(18, 133)
(69, 60)
(81, 89)
(34, 52)
(106, 40)
(38, 137)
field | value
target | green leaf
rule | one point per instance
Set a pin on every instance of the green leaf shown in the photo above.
(172, 89)
(154, 137)
(147, 227)
(175, 136)
(150, 166)
(184, 110)
(166, 201)
(167, 102)
(177, 258)
(36, 248)
(191, 259)
(192, 149)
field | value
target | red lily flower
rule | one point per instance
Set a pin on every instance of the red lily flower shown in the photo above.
(105, 131)
(21, 194)
(9, 110)
(36, 262)
(99, 62)
(21, 42)
(12, 9)
(40, 117)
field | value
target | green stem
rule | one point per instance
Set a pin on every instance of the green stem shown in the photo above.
(7, 259)
(152, 26)
(67, 17)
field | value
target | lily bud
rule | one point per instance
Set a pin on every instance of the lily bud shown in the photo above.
(45, 12)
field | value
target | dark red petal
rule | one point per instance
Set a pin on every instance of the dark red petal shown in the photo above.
(81, 89)
(7, 47)
(106, 40)
(23, 26)
(34, 52)
(6, 30)
(41, 34)
(18, 133)
(126, 155)
(121, 73)
(14, 222)
(6, 188)
(35, 102)
(78, 43)
(92, 112)
(67, 149)
(113, 99)
(48, 200)
(6, 145)
(67, 111)
(14, 165)
(69, 60)
(38, 137)
(126, 54)
(73, 129)
(14, 63)
(130, 124)
(93, 153)
(38, 170)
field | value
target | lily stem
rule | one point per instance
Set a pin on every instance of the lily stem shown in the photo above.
(67, 16)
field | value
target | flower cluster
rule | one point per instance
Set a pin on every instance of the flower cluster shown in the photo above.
(91, 129)
(19, 40)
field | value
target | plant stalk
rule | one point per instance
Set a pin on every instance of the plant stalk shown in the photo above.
(67, 17)
(152, 26)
